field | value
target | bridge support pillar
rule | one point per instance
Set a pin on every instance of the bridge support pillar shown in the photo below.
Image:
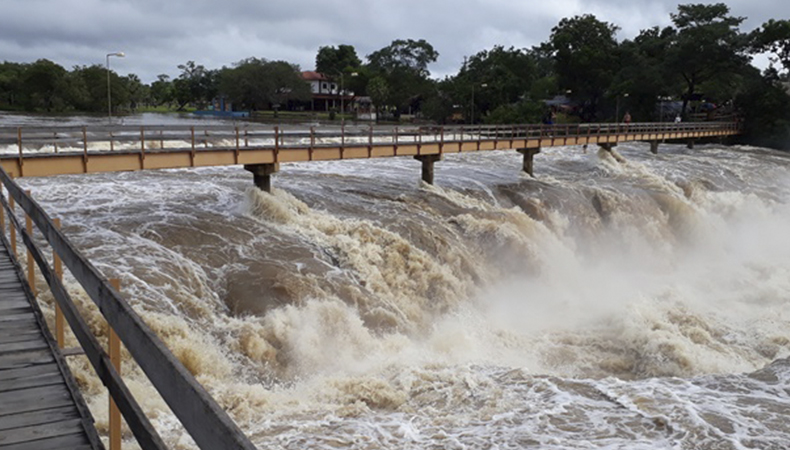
(529, 155)
(262, 175)
(609, 146)
(654, 147)
(690, 144)
(427, 166)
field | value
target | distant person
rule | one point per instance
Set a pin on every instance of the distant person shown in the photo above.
(627, 118)
(678, 119)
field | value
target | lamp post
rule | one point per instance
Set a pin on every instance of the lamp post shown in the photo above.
(617, 108)
(472, 115)
(109, 97)
(342, 92)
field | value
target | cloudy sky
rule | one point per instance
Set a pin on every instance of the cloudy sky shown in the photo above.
(157, 35)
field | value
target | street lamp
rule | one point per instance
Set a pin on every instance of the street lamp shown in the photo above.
(617, 108)
(342, 105)
(472, 115)
(109, 98)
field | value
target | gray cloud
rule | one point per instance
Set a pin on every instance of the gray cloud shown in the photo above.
(157, 35)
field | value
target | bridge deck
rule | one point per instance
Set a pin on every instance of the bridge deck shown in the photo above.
(40, 405)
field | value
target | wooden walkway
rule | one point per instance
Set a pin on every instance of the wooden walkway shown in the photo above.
(40, 405)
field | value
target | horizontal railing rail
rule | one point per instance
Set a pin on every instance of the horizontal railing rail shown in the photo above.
(207, 423)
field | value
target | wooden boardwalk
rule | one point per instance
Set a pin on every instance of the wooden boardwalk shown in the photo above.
(40, 405)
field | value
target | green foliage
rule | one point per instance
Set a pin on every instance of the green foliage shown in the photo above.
(403, 65)
(521, 112)
(500, 76)
(260, 84)
(584, 50)
(773, 37)
(332, 60)
(765, 106)
(706, 44)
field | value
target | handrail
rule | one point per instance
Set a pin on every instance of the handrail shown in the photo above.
(208, 424)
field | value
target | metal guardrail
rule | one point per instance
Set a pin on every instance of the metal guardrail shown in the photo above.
(162, 138)
(207, 423)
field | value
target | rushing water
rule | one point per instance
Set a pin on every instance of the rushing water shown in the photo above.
(636, 305)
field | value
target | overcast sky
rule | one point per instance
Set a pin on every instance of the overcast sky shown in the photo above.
(158, 35)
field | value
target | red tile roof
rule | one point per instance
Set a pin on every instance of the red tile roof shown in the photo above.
(314, 76)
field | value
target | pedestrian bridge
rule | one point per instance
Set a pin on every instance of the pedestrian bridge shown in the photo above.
(42, 151)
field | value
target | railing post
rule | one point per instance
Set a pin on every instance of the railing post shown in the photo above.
(312, 144)
(370, 141)
(60, 331)
(31, 266)
(19, 142)
(114, 351)
(236, 155)
(112, 144)
(11, 229)
(276, 144)
(85, 149)
(342, 139)
(192, 154)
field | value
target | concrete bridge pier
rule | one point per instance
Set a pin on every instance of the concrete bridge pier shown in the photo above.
(609, 146)
(427, 166)
(529, 155)
(262, 175)
(690, 144)
(654, 147)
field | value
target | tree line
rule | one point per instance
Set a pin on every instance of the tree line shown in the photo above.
(702, 58)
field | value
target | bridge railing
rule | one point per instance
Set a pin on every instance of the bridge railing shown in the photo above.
(207, 423)
(25, 142)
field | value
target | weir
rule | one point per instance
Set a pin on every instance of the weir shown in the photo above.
(43, 151)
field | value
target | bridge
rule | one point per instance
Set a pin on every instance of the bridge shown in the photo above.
(40, 404)
(71, 150)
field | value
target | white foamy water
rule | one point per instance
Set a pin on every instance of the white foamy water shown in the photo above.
(641, 305)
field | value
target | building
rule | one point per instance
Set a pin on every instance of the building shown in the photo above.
(326, 93)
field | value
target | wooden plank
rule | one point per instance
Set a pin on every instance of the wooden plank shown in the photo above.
(41, 431)
(28, 372)
(25, 359)
(70, 442)
(32, 382)
(38, 417)
(34, 399)
(12, 347)
(21, 336)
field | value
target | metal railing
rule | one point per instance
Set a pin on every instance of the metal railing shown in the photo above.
(30, 141)
(207, 423)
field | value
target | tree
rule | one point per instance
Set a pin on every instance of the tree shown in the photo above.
(195, 85)
(707, 44)
(404, 66)
(43, 86)
(258, 84)
(10, 82)
(774, 37)
(507, 74)
(162, 90)
(332, 60)
(378, 90)
(584, 50)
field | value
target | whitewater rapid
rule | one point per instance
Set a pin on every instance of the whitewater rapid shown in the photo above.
(642, 305)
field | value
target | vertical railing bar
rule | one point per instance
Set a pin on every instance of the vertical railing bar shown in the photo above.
(85, 149)
(31, 268)
(276, 144)
(114, 352)
(312, 144)
(236, 156)
(60, 330)
(192, 154)
(21, 156)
